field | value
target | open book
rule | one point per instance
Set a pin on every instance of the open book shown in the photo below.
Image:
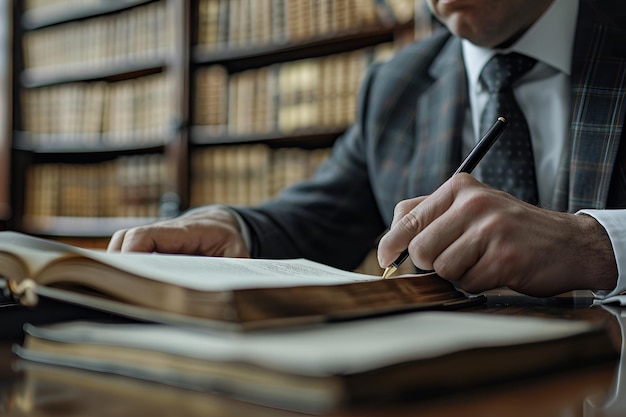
(319, 368)
(198, 290)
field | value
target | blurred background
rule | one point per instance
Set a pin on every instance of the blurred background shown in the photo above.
(116, 113)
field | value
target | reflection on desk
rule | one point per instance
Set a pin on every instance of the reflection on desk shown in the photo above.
(613, 404)
(48, 390)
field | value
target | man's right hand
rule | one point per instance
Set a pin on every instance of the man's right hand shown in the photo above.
(208, 232)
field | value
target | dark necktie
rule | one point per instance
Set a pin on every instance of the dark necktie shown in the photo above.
(509, 164)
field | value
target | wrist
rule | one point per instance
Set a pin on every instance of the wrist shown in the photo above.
(600, 272)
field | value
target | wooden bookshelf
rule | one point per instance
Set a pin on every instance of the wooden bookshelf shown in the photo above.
(133, 83)
(42, 77)
(47, 14)
(97, 112)
(247, 57)
(313, 137)
(6, 90)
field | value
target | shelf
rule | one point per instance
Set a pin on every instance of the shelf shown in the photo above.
(254, 56)
(313, 137)
(57, 143)
(81, 226)
(41, 77)
(58, 14)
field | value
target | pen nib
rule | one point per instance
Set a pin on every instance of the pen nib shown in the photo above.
(389, 271)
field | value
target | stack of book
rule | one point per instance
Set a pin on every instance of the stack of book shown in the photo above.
(290, 334)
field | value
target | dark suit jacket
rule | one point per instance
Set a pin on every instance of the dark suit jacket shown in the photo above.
(406, 142)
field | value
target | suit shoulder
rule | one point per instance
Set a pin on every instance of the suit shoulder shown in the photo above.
(417, 57)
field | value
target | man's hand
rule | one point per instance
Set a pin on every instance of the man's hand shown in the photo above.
(209, 232)
(484, 238)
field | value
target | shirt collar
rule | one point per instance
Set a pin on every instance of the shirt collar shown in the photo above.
(549, 41)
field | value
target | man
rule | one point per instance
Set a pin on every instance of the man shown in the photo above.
(418, 114)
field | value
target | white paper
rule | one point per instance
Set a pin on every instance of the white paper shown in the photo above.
(194, 272)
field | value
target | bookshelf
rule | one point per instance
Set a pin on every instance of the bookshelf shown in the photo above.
(125, 108)
(96, 115)
(275, 82)
(5, 113)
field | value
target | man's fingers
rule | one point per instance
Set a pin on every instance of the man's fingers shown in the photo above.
(143, 239)
(209, 233)
(115, 244)
(413, 216)
(404, 207)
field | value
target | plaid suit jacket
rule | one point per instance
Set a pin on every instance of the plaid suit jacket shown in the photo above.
(406, 142)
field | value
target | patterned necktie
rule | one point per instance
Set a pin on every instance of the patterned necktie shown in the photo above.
(509, 164)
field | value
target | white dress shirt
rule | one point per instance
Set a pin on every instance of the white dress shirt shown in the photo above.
(544, 96)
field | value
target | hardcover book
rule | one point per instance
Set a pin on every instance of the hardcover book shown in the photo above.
(211, 291)
(321, 368)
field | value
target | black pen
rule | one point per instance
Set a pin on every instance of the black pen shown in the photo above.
(468, 164)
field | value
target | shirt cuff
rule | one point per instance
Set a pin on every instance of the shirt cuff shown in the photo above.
(613, 222)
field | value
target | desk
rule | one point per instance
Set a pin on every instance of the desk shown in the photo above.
(584, 391)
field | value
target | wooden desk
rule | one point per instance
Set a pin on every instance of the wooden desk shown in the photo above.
(47, 391)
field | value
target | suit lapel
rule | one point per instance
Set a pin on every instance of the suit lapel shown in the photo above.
(439, 125)
(598, 103)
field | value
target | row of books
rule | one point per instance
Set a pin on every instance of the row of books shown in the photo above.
(129, 186)
(242, 23)
(136, 34)
(248, 174)
(137, 111)
(132, 186)
(30, 5)
(314, 92)
(285, 97)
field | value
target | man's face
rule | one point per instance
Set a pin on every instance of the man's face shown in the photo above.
(488, 23)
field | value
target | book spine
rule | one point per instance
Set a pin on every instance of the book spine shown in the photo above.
(286, 97)
(208, 23)
(242, 23)
(135, 111)
(78, 115)
(249, 174)
(127, 36)
(126, 186)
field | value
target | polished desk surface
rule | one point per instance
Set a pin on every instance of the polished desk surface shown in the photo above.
(589, 391)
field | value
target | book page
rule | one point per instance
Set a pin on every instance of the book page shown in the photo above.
(194, 272)
(342, 348)
(219, 274)
(36, 253)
